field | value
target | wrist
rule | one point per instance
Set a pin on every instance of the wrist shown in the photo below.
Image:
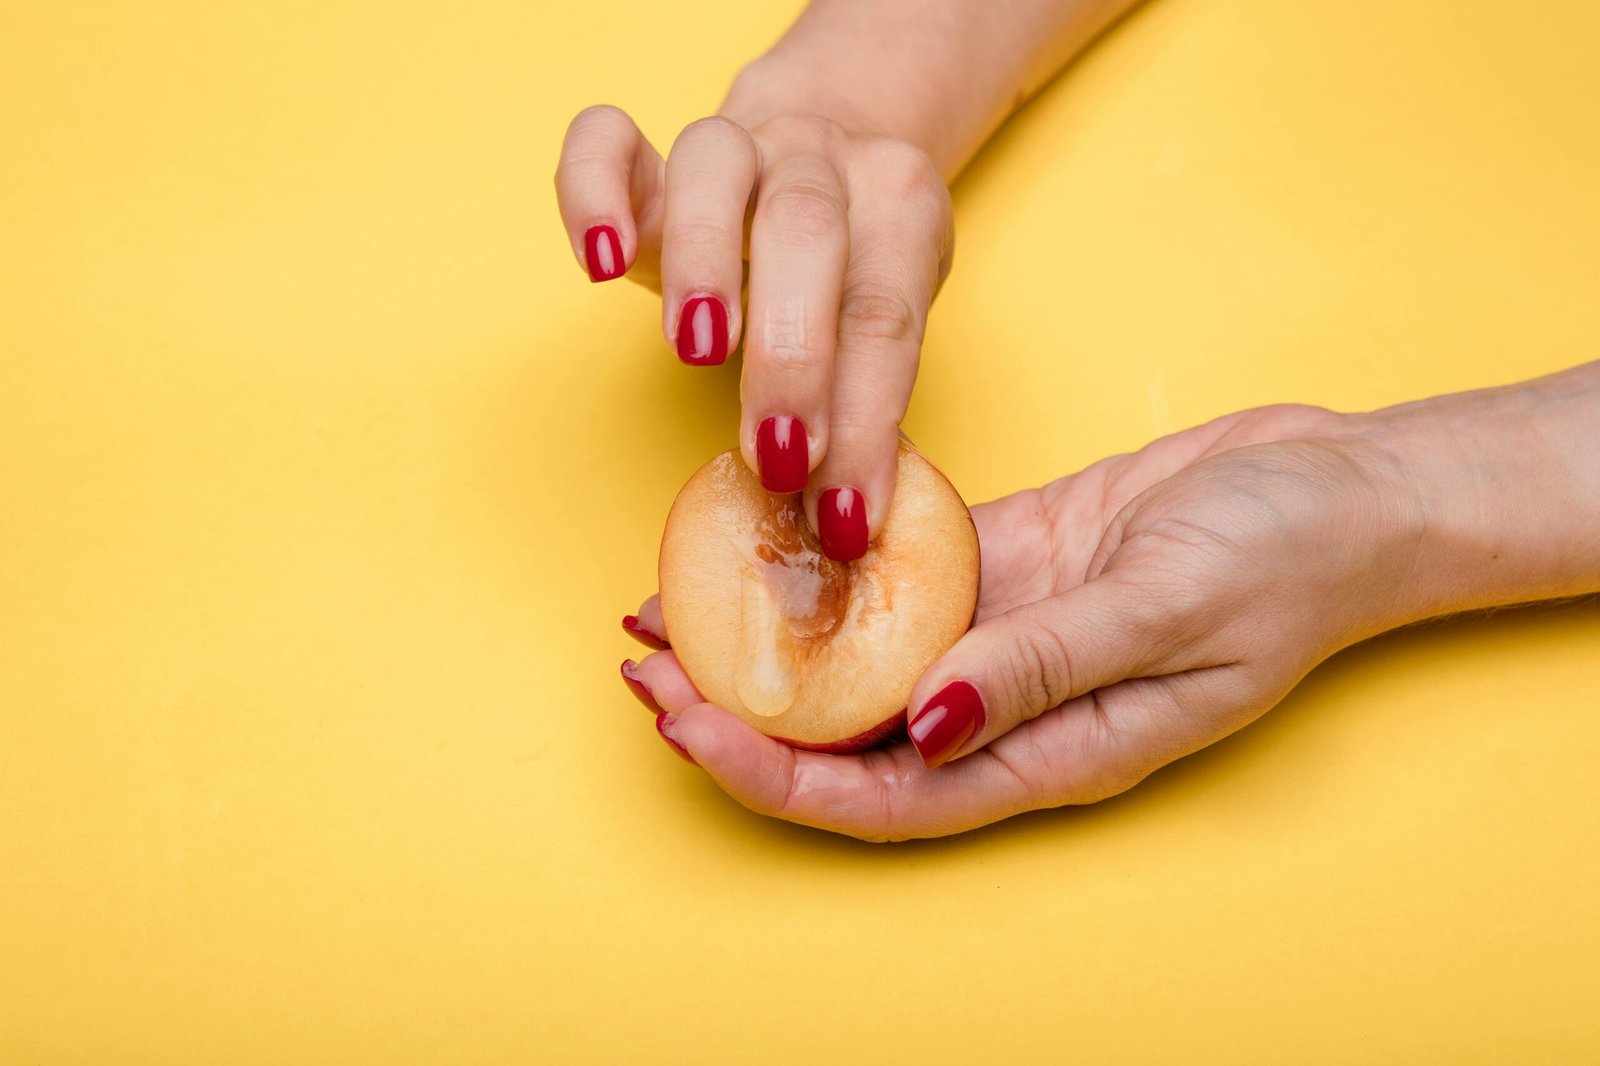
(1505, 491)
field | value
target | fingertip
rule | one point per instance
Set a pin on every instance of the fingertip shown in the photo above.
(666, 728)
(841, 523)
(944, 726)
(638, 686)
(751, 767)
(701, 333)
(669, 686)
(603, 254)
(637, 627)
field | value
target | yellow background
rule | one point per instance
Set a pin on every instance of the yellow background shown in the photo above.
(325, 476)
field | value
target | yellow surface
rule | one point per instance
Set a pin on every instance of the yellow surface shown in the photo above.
(325, 476)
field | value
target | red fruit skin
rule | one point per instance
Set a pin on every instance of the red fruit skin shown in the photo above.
(881, 734)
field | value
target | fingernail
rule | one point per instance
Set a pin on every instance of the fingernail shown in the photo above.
(664, 725)
(951, 718)
(842, 524)
(602, 253)
(783, 455)
(636, 685)
(630, 625)
(703, 332)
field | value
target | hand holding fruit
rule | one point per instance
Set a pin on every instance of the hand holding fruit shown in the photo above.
(1155, 602)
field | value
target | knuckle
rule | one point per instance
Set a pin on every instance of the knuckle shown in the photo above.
(1040, 667)
(908, 176)
(699, 233)
(802, 132)
(602, 113)
(714, 129)
(878, 314)
(789, 345)
(906, 167)
(789, 356)
(598, 118)
(805, 209)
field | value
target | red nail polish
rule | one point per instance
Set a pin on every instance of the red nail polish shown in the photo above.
(630, 625)
(842, 524)
(665, 722)
(602, 253)
(783, 454)
(636, 685)
(951, 718)
(703, 332)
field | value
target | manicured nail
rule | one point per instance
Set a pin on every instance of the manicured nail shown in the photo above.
(664, 725)
(946, 722)
(636, 685)
(703, 332)
(842, 524)
(602, 253)
(783, 455)
(630, 625)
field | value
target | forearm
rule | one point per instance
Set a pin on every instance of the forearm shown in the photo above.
(939, 74)
(1508, 486)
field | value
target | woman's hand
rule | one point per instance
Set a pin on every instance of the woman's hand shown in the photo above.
(1156, 602)
(849, 237)
(825, 170)
(1129, 615)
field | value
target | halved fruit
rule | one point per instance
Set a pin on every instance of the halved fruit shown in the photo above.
(817, 653)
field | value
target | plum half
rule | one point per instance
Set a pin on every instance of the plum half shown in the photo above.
(816, 653)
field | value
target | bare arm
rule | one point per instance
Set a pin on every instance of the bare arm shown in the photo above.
(939, 74)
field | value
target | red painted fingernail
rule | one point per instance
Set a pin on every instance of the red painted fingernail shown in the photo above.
(783, 455)
(842, 524)
(636, 685)
(630, 625)
(703, 332)
(664, 724)
(602, 253)
(946, 722)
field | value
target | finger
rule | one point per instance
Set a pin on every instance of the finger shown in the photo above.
(880, 795)
(710, 173)
(798, 246)
(608, 187)
(1017, 665)
(1099, 745)
(663, 677)
(899, 239)
(648, 627)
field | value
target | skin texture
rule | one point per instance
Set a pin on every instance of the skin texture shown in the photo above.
(823, 180)
(1155, 602)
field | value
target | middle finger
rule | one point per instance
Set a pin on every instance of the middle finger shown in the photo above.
(799, 244)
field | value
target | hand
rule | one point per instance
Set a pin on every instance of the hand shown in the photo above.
(849, 237)
(1129, 615)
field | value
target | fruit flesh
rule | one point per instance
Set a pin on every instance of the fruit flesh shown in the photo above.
(818, 653)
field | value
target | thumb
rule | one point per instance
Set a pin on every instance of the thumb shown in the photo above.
(1017, 665)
